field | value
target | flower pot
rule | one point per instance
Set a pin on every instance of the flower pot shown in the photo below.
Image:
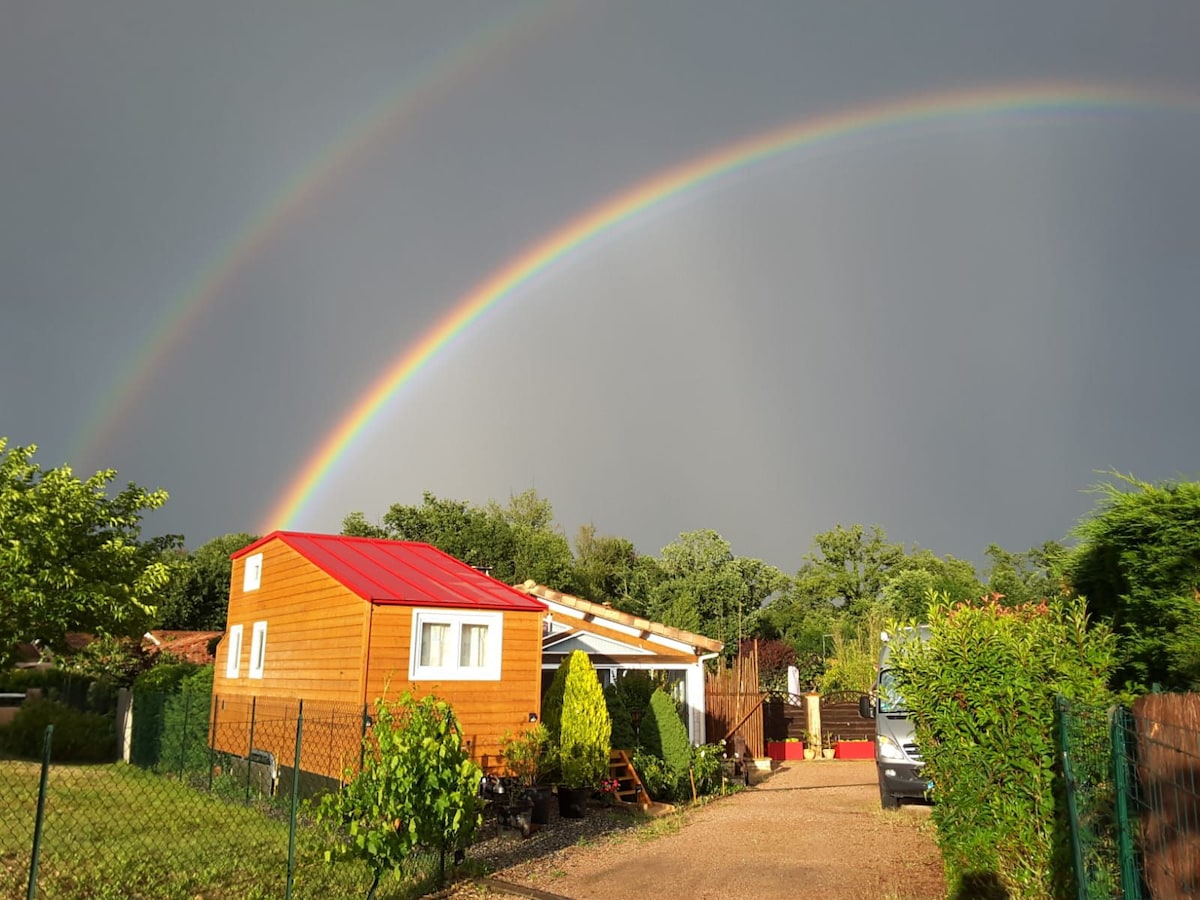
(810, 753)
(572, 802)
(782, 751)
(542, 799)
(826, 753)
(854, 750)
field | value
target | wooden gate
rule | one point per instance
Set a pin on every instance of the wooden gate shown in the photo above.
(733, 703)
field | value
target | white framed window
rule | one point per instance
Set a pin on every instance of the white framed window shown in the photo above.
(258, 649)
(453, 645)
(233, 662)
(252, 574)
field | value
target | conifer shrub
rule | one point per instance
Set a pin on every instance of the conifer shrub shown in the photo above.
(981, 693)
(664, 736)
(586, 731)
(623, 737)
(552, 704)
(184, 740)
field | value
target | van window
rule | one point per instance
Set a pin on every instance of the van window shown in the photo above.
(889, 698)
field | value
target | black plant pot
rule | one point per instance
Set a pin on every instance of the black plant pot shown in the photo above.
(572, 802)
(542, 799)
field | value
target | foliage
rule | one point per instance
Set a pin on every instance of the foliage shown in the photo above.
(854, 663)
(1027, 577)
(78, 736)
(185, 715)
(585, 739)
(660, 782)
(706, 767)
(526, 753)
(197, 596)
(981, 692)
(417, 788)
(623, 735)
(552, 704)
(112, 659)
(1138, 565)
(603, 569)
(70, 555)
(774, 657)
(164, 679)
(921, 574)
(664, 735)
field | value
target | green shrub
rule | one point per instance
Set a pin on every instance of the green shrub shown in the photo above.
(184, 740)
(164, 679)
(981, 692)
(623, 736)
(585, 738)
(706, 767)
(664, 735)
(657, 778)
(417, 789)
(78, 736)
(552, 704)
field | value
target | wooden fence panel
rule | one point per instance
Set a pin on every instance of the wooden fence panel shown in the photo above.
(840, 719)
(734, 704)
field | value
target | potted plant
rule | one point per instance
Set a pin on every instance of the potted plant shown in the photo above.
(810, 746)
(583, 743)
(526, 755)
(827, 746)
(788, 749)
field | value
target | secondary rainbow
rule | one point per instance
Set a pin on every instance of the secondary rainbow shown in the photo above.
(912, 111)
(490, 45)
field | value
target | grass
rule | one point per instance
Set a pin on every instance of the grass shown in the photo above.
(116, 831)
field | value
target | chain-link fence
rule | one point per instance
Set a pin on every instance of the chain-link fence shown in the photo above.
(1133, 780)
(214, 803)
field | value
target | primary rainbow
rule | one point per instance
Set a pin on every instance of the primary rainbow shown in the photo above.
(918, 110)
(493, 43)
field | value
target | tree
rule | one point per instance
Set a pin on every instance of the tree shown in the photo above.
(70, 555)
(921, 575)
(604, 567)
(1138, 566)
(197, 596)
(586, 733)
(1026, 577)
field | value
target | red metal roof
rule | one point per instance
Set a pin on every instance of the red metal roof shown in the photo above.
(403, 572)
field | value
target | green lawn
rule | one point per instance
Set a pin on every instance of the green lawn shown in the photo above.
(117, 831)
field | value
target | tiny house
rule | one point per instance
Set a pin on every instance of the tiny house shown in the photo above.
(339, 621)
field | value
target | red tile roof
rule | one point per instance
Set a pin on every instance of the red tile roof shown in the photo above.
(402, 572)
(189, 645)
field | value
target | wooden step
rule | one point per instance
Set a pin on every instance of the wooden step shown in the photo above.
(631, 788)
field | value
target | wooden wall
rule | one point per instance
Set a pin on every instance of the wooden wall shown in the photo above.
(485, 709)
(316, 632)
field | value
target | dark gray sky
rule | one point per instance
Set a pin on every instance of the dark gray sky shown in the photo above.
(945, 329)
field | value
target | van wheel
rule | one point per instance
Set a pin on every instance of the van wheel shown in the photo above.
(888, 800)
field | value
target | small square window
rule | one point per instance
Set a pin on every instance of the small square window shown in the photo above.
(233, 662)
(449, 645)
(252, 575)
(258, 650)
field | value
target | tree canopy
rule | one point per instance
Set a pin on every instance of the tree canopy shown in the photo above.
(71, 556)
(197, 595)
(1138, 567)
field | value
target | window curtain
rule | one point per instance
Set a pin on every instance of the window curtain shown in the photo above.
(473, 651)
(435, 644)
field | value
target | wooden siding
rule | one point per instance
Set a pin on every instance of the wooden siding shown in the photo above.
(315, 632)
(485, 709)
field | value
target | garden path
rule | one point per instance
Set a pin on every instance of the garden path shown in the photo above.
(814, 828)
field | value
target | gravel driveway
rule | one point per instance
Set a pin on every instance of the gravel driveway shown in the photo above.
(814, 828)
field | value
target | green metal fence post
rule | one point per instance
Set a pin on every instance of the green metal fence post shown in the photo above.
(362, 738)
(212, 741)
(1060, 706)
(1131, 882)
(291, 863)
(39, 821)
(187, 706)
(250, 747)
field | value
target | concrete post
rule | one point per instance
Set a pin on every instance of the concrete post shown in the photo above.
(812, 711)
(124, 723)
